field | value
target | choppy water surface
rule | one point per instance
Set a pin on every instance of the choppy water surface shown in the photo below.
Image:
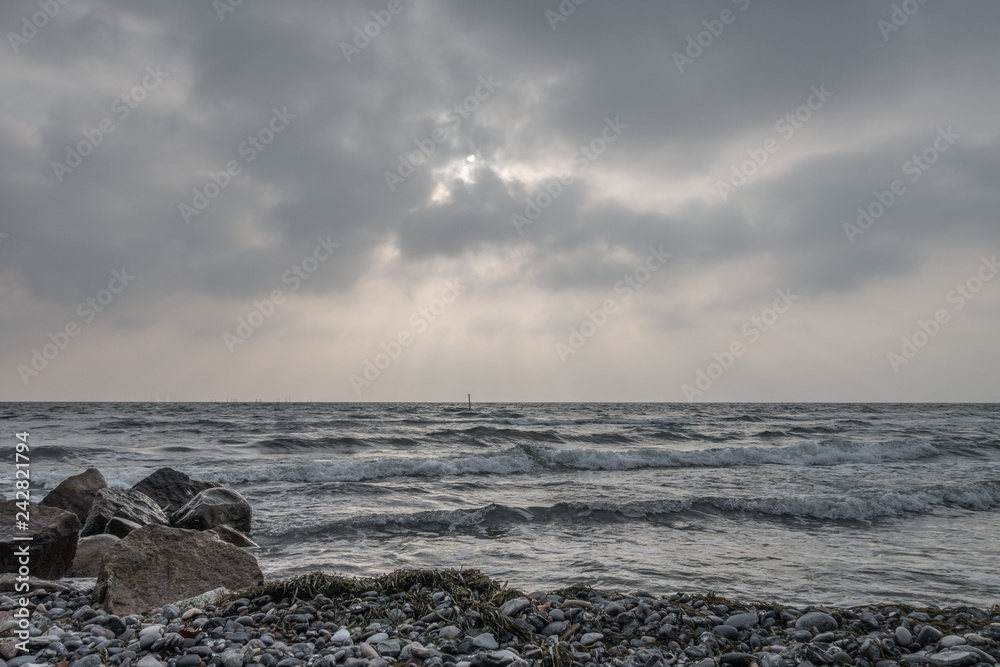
(799, 503)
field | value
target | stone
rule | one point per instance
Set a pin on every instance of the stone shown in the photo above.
(954, 659)
(951, 640)
(515, 606)
(591, 638)
(231, 658)
(171, 489)
(89, 552)
(76, 494)
(389, 647)
(341, 637)
(747, 620)
(928, 635)
(53, 545)
(123, 503)
(554, 628)
(903, 636)
(120, 527)
(151, 661)
(156, 565)
(233, 536)
(817, 619)
(449, 632)
(92, 660)
(212, 507)
(726, 631)
(486, 641)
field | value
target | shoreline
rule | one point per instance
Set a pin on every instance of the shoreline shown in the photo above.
(462, 617)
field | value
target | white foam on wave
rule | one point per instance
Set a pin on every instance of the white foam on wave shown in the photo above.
(614, 421)
(803, 453)
(523, 459)
(982, 496)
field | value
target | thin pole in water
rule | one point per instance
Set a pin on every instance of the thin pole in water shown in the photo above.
(470, 401)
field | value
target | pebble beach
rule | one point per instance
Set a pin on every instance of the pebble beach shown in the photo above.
(464, 618)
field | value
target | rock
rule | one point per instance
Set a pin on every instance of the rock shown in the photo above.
(120, 527)
(591, 638)
(389, 647)
(341, 637)
(817, 619)
(929, 635)
(233, 536)
(123, 503)
(171, 489)
(92, 660)
(869, 619)
(89, 552)
(156, 565)
(737, 659)
(951, 640)
(954, 659)
(515, 606)
(486, 641)
(54, 537)
(231, 658)
(151, 661)
(76, 494)
(212, 507)
(903, 636)
(727, 631)
(8, 650)
(449, 632)
(149, 635)
(742, 620)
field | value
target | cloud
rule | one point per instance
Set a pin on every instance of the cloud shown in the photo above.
(407, 93)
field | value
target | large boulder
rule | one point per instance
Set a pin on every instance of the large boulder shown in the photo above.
(89, 552)
(53, 544)
(212, 507)
(172, 489)
(123, 503)
(157, 565)
(76, 494)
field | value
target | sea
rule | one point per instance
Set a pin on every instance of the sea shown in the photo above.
(838, 504)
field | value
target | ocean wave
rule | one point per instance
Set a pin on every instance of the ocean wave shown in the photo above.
(983, 496)
(620, 421)
(481, 431)
(293, 443)
(528, 458)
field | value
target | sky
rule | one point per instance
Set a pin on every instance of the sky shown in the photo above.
(415, 200)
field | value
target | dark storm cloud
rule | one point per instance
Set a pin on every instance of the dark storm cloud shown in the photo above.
(353, 118)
